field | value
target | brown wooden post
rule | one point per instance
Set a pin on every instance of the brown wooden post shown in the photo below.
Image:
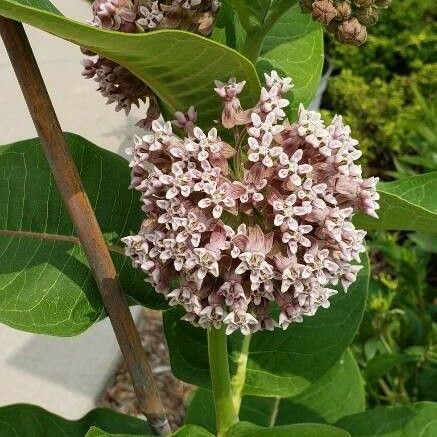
(84, 220)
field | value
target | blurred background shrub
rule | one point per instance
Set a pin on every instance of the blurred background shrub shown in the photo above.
(387, 92)
(387, 88)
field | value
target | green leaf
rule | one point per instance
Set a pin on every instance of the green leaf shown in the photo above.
(180, 67)
(291, 43)
(426, 381)
(228, 29)
(380, 365)
(339, 393)
(96, 432)
(426, 242)
(294, 46)
(415, 420)
(251, 13)
(408, 205)
(45, 5)
(245, 429)
(280, 363)
(258, 16)
(185, 431)
(192, 431)
(46, 285)
(23, 420)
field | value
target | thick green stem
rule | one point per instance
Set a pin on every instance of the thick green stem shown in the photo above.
(240, 376)
(221, 380)
(256, 35)
(253, 44)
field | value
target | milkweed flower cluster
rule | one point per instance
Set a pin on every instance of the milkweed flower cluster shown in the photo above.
(117, 84)
(145, 15)
(234, 231)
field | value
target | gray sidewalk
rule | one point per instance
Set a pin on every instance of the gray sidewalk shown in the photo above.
(62, 375)
(80, 108)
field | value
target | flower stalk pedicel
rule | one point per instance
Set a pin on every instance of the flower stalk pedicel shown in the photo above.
(233, 229)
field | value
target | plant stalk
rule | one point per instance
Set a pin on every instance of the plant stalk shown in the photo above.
(84, 220)
(255, 38)
(221, 380)
(239, 378)
(253, 44)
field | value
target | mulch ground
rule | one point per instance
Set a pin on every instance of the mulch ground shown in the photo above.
(119, 394)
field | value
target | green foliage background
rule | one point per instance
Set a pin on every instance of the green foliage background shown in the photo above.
(387, 92)
(376, 87)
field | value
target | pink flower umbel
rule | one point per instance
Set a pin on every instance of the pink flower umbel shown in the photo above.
(236, 230)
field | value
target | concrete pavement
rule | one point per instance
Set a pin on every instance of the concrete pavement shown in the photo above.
(80, 108)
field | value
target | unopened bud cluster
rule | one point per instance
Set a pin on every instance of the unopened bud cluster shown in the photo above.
(235, 232)
(346, 19)
(117, 84)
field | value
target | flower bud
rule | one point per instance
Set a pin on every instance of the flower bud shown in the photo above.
(344, 10)
(367, 16)
(352, 32)
(324, 11)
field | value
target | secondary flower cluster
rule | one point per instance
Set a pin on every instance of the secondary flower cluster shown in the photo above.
(145, 15)
(117, 84)
(346, 19)
(233, 232)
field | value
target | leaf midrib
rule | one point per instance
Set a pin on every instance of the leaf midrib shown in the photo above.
(53, 237)
(408, 202)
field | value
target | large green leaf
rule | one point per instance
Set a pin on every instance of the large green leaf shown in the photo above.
(294, 46)
(31, 421)
(415, 420)
(46, 285)
(185, 431)
(245, 429)
(408, 204)
(280, 363)
(179, 66)
(339, 393)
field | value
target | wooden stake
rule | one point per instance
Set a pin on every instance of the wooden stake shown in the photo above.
(84, 220)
